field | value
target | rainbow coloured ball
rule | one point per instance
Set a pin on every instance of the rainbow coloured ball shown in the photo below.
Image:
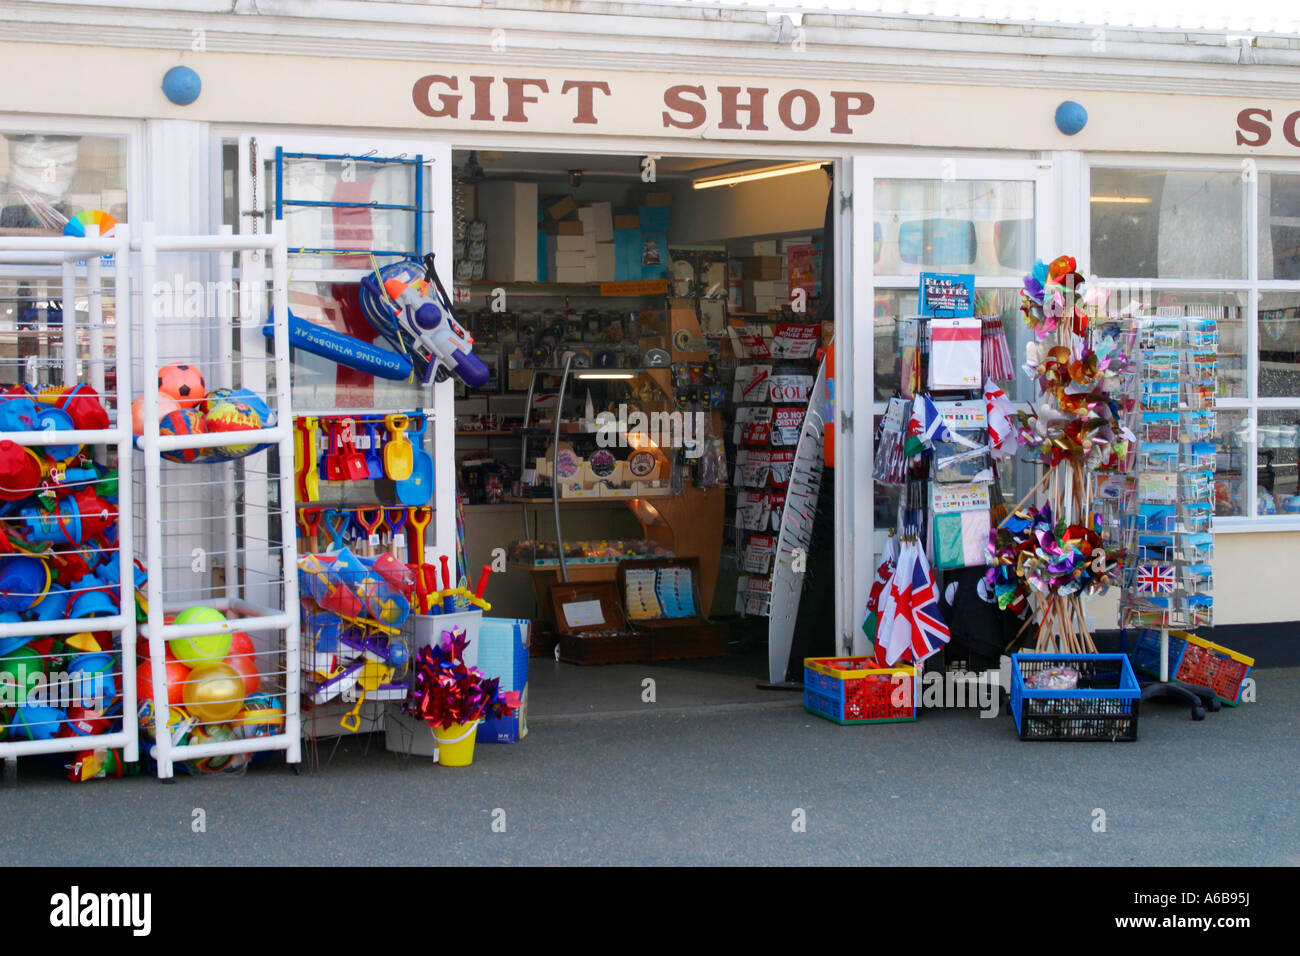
(233, 416)
(184, 421)
(205, 648)
(183, 383)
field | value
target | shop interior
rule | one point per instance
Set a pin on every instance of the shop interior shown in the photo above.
(665, 295)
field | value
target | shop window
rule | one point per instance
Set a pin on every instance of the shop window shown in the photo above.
(47, 179)
(1277, 440)
(1279, 344)
(1230, 465)
(949, 243)
(1168, 224)
(1279, 227)
(980, 226)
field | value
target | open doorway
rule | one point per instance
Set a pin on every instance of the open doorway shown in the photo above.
(693, 292)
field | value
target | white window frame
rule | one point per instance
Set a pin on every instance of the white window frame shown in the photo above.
(866, 169)
(1250, 168)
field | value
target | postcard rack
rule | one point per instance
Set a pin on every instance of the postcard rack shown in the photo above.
(1168, 503)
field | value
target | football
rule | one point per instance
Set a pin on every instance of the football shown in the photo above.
(183, 384)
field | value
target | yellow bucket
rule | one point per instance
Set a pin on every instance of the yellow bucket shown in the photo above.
(456, 744)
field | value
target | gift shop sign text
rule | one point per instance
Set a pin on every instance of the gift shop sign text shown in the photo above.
(1255, 127)
(692, 107)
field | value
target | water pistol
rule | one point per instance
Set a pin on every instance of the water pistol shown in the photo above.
(433, 327)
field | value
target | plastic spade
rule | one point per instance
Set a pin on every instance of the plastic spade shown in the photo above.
(311, 524)
(417, 521)
(336, 523)
(311, 477)
(354, 463)
(395, 518)
(370, 519)
(417, 489)
(398, 456)
(334, 468)
(374, 463)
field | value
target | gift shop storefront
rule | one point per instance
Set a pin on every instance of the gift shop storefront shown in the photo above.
(671, 217)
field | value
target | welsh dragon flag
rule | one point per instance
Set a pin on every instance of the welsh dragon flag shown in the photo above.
(883, 573)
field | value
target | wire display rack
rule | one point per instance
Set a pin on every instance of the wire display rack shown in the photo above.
(67, 582)
(215, 496)
(1168, 507)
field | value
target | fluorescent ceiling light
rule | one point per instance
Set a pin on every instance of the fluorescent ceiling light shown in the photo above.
(771, 172)
(1126, 200)
(587, 376)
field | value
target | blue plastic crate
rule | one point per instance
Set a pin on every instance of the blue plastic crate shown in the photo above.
(1103, 707)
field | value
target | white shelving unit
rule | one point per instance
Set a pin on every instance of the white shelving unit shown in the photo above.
(70, 325)
(220, 534)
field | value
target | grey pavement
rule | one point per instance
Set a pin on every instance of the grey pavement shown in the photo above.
(678, 783)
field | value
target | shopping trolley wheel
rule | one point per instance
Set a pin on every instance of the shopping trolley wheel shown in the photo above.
(1213, 704)
(296, 768)
(1198, 712)
(557, 653)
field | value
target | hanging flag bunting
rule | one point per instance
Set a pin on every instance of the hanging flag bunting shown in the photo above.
(999, 411)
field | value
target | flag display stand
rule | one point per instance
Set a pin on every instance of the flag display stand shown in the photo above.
(1167, 502)
(937, 454)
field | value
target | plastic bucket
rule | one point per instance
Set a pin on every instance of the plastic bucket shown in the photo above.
(456, 744)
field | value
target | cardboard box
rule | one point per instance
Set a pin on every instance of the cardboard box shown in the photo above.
(764, 247)
(560, 208)
(510, 211)
(606, 262)
(761, 267)
(656, 197)
(567, 274)
(598, 221)
(627, 221)
(566, 243)
(570, 227)
(503, 653)
(591, 267)
(405, 734)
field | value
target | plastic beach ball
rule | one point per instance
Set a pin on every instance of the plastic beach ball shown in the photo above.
(183, 384)
(206, 648)
(176, 675)
(214, 692)
(165, 407)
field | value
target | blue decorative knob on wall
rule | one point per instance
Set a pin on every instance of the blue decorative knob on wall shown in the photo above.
(181, 85)
(1071, 117)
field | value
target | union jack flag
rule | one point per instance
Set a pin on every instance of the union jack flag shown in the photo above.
(919, 630)
(1155, 579)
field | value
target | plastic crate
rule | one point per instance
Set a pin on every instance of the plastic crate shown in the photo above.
(1194, 660)
(853, 690)
(1103, 707)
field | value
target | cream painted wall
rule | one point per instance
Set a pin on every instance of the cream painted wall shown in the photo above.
(1256, 581)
